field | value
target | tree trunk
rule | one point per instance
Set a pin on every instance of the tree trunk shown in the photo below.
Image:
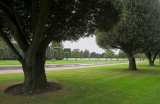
(132, 63)
(151, 63)
(35, 77)
(150, 58)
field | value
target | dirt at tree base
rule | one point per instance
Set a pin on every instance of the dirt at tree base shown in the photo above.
(14, 90)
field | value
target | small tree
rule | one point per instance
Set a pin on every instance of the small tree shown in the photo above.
(86, 54)
(76, 53)
(59, 52)
(121, 54)
(49, 52)
(68, 50)
(81, 54)
(93, 55)
(109, 54)
(66, 54)
(55, 54)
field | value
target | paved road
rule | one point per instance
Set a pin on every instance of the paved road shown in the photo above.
(18, 68)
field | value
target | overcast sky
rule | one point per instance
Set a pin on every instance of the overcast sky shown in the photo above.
(84, 43)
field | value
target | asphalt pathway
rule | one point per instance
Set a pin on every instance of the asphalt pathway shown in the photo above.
(18, 68)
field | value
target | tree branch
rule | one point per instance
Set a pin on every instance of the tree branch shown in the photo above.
(20, 26)
(19, 38)
(155, 56)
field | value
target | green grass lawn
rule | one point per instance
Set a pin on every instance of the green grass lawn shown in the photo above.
(98, 85)
(15, 62)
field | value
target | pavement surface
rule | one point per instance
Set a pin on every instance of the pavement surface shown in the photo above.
(18, 68)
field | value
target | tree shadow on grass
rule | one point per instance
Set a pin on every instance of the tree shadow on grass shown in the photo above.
(146, 71)
(141, 69)
(15, 90)
(155, 66)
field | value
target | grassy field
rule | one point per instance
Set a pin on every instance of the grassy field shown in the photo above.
(98, 85)
(15, 62)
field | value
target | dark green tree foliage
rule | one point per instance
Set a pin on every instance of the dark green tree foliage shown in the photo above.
(122, 54)
(9, 54)
(55, 54)
(69, 51)
(2, 48)
(81, 54)
(59, 52)
(33, 24)
(76, 53)
(139, 28)
(2, 53)
(49, 52)
(99, 56)
(140, 55)
(66, 55)
(96, 55)
(56, 44)
(109, 54)
(102, 55)
(93, 55)
(86, 54)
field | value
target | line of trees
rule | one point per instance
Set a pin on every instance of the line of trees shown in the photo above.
(54, 50)
(57, 51)
(77, 53)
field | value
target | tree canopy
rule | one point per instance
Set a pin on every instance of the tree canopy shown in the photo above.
(76, 53)
(33, 24)
(86, 53)
(138, 28)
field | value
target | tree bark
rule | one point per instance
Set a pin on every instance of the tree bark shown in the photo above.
(151, 63)
(150, 58)
(34, 75)
(132, 62)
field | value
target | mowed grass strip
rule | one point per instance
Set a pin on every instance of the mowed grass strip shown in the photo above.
(15, 62)
(98, 85)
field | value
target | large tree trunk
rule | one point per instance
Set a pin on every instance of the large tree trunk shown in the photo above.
(132, 62)
(35, 77)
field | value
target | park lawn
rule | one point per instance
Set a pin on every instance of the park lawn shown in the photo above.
(15, 62)
(98, 85)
